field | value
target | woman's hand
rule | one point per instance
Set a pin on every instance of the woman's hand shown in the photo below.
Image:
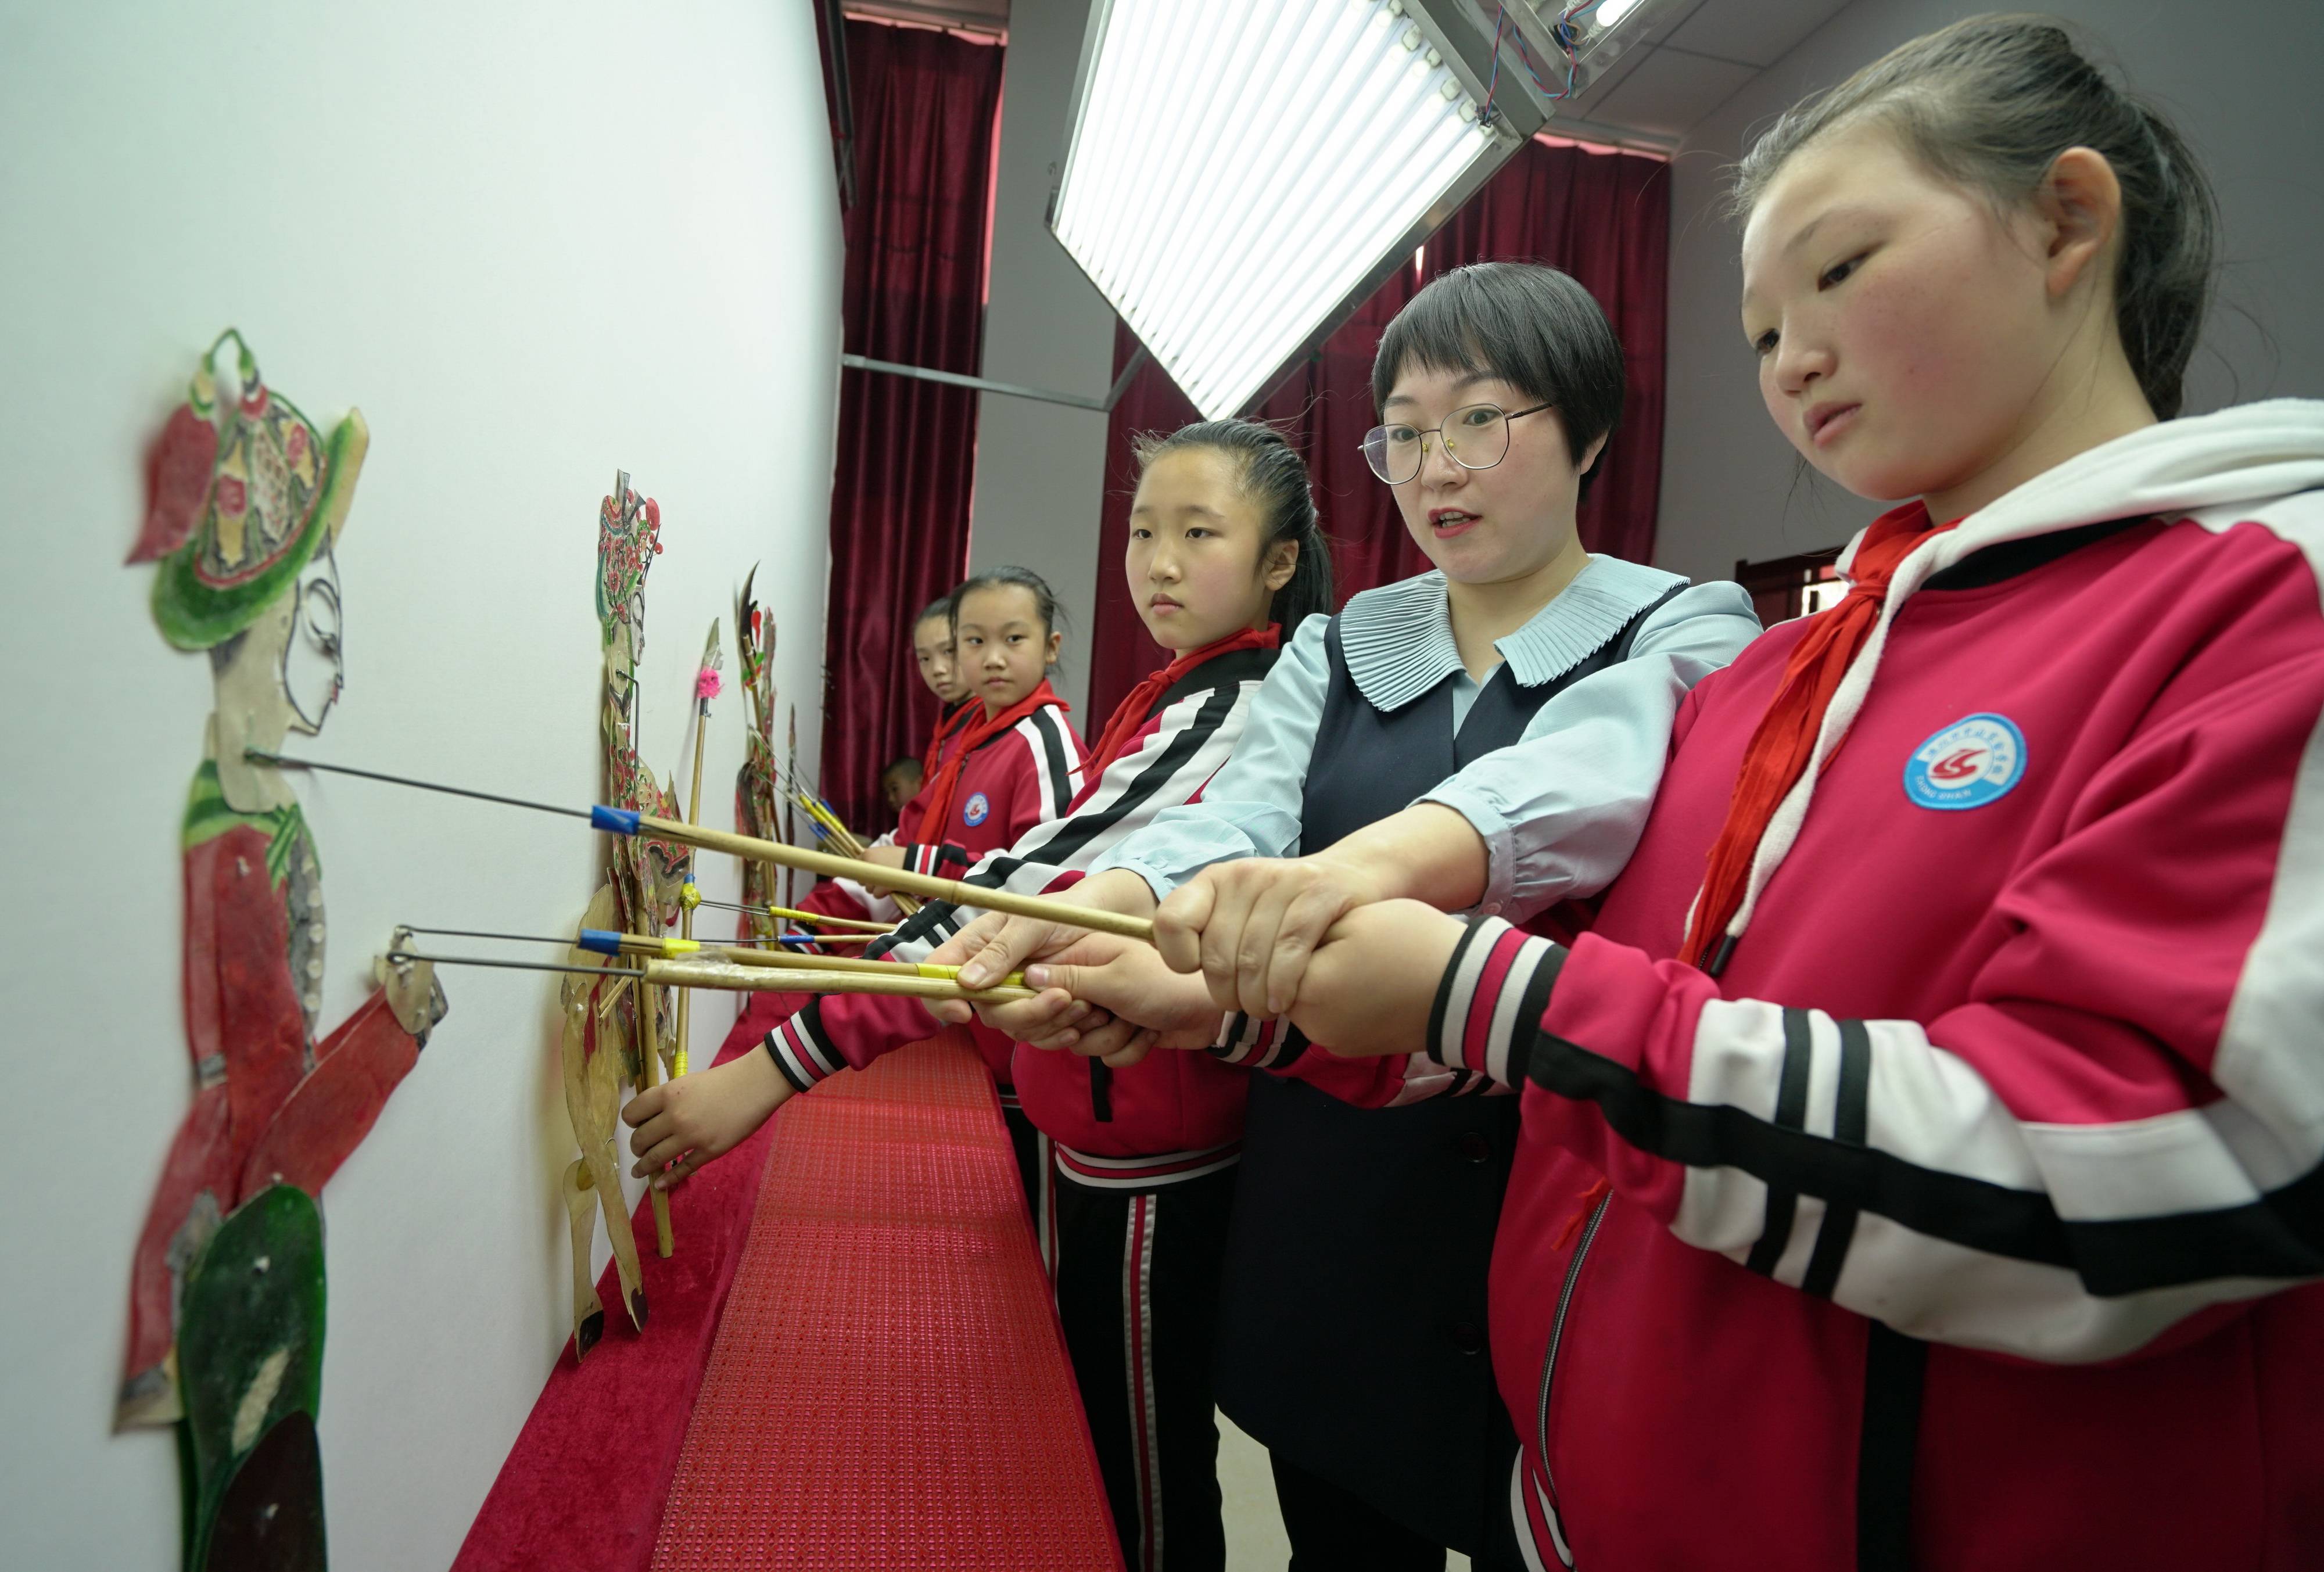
(1250, 926)
(1368, 988)
(996, 945)
(693, 1119)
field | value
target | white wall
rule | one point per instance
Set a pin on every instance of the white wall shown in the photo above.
(2240, 83)
(1041, 468)
(532, 242)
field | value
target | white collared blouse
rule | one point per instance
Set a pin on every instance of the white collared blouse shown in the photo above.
(1560, 810)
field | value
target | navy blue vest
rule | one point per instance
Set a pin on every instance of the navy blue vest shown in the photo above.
(1352, 1325)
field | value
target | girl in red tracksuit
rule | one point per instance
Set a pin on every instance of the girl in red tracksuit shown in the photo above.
(1015, 764)
(1224, 560)
(1923, 1151)
(933, 652)
(1012, 764)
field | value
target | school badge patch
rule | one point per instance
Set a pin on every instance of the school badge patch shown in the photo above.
(978, 809)
(1968, 764)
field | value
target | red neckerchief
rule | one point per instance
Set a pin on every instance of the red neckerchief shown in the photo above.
(1785, 740)
(938, 812)
(949, 723)
(1130, 715)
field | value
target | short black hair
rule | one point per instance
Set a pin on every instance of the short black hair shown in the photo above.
(906, 762)
(1532, 327)
(939, 607)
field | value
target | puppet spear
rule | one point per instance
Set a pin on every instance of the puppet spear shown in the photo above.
(705, 688)
(706, 685)
(791, 825)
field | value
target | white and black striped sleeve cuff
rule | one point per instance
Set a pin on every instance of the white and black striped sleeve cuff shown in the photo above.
(938, 860)
(1489, 1007)
(1257, 1042)
(802, 1052)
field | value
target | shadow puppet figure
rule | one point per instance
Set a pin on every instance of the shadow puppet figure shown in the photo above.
(226, 1294)
(613, 1022)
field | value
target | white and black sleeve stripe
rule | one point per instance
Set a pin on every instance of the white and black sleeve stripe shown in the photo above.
(1192, 739)
(1858, 1162)
(1257, 1041)
(1057, 757)
(802, 1050)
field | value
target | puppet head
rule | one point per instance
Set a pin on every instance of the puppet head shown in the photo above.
(245, 491)
(629, 537)
(247, 498)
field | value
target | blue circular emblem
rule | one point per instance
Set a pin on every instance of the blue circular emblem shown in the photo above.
(1967, 765)
(979, 809)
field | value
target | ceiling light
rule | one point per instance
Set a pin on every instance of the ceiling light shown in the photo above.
(1242, 174)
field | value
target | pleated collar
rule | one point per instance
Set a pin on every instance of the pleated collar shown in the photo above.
(1398, 638)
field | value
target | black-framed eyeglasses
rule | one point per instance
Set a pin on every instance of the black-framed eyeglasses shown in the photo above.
(1475, 437)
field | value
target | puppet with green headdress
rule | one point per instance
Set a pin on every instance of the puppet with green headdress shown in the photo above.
(226, 1291)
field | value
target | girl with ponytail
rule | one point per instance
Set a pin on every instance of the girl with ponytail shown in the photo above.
(1225, 561)
(1524, 689)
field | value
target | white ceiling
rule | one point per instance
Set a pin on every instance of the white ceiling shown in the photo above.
(1692, 57)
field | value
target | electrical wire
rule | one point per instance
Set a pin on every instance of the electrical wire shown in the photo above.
(1564, 31)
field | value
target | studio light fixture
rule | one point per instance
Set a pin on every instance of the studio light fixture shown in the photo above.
(1242, 174)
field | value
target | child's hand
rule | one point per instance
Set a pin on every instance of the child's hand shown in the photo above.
(1134, 995)
(1370, 986)
(696, 1117)
(884, 857)
(996, 945)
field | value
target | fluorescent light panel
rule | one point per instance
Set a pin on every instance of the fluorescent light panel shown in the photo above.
(1239, 167)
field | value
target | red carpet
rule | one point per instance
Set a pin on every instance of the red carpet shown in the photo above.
(890, 1389)
(583, 1486)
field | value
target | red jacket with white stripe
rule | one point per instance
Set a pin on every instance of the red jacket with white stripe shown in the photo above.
(1173, 1116)
(845, 898)
(1026, 776)
(1970, 1216)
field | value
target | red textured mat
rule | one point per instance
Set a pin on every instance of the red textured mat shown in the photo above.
(583, 1486)
(890, 1388)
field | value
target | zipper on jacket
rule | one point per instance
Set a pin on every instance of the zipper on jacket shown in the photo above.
(1557, 1336)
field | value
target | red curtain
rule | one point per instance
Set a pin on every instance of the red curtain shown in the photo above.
(1602, 217)
(925, 104)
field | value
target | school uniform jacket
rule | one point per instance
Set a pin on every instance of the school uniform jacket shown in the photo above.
(1388, 1218)
(1173, 1116)
(1972, 1217)
(1027, 776)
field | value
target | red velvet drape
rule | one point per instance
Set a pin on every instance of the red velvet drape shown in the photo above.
(1602, 217)
(914, 293)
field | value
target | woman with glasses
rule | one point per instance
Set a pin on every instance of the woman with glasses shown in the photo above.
(1527, 685)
